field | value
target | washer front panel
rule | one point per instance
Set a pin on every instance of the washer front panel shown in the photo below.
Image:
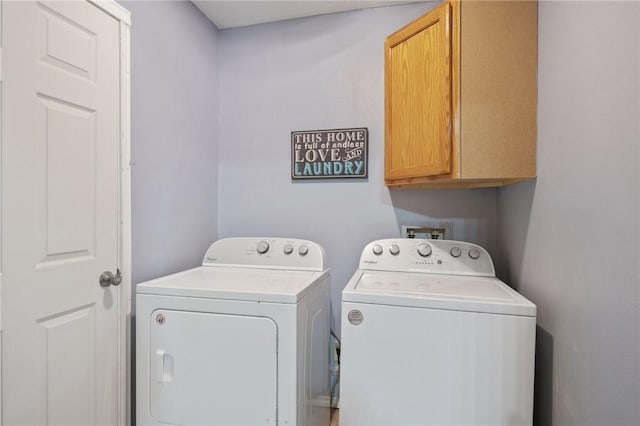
(413, 366)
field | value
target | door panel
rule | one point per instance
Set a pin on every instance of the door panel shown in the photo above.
(67, 380)
(418, 97)
(60, 192)
(66, 44)
(209, 368)
(66, 150)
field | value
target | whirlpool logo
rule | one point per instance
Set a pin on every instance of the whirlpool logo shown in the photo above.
(355, 317)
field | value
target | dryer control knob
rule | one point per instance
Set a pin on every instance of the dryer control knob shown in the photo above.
(394, 249)
(455, 251)
(262, 247)
(424, 250)
(303, 250)
(377, 249)
(287, 249)
(474, 253)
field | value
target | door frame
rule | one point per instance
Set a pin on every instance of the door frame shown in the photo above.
(123, 16)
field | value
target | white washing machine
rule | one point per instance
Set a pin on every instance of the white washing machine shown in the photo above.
(431, 337)
(241, 340)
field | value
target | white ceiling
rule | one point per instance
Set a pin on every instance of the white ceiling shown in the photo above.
(238, 13)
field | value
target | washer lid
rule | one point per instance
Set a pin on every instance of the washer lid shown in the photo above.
(260, 285)
(435, 291)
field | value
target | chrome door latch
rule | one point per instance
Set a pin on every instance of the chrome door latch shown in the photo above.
(107, 278)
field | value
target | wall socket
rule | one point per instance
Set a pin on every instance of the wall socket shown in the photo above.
(429, 231)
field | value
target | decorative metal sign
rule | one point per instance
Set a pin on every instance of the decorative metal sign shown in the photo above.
(337, 153)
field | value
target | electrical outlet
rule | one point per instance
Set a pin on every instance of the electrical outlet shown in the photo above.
(430, 231)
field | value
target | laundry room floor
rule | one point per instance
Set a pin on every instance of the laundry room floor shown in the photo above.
(334, 417)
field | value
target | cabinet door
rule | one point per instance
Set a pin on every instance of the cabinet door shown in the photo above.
(418, 97)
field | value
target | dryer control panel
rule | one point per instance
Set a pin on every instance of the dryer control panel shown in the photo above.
(427, 256)
(265, 252)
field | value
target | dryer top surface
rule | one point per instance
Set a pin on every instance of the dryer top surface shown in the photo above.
(233, 283)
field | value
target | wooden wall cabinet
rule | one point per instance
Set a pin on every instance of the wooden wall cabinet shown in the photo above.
(461, 96)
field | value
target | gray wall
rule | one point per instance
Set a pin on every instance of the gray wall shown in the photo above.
(570, 240)
(174, 109)
(321, 73)
(174, 139)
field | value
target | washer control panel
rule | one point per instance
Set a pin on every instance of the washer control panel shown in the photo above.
(429, 256)
(282, 253)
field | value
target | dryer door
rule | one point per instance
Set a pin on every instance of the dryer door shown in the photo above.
(212, 369)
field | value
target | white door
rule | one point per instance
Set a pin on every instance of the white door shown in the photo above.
(212, 369)
(60, 229)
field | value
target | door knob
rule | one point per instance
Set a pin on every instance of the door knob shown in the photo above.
(107, 278)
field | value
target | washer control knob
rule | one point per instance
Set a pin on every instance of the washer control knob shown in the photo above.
(394, 249)
(263, 247)
(424, 250)
(455, 251)
(377, 249)
(287, 249)
(303, 250)
(474, 253)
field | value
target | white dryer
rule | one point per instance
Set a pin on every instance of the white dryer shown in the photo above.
(431, 337)
(241, 340)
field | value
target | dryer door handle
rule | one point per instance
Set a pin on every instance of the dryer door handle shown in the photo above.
(164, 366)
